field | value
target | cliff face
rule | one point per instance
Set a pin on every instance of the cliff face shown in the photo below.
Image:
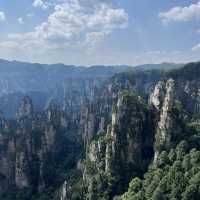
(125, 146)
(187, 84)
(36, 143)
(33, 149)
(128, 133)
(137, 134)
(97, 112)
(91, 144)
(163, 100)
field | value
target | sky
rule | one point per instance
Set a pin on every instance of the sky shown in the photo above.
(100, 32)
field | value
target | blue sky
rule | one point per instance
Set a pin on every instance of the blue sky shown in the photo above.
(109, 32)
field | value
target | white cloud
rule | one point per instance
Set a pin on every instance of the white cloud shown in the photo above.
(40, 4)
(93, 38)
(184, 14)
(2, 16)
(74, 24)
(20, 20)
(196, 48)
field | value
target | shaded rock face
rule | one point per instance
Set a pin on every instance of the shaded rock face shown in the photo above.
(187, 85)
(125, 141)
(131, 132)
(32, 147)
(188, 92)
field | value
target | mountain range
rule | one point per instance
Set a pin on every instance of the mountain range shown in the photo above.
(42, 82)
(122, 134)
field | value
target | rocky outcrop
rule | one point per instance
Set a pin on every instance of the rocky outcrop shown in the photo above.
(124, 146)
(97, 152)
(165, 124)
(163, 99)
(157, 96)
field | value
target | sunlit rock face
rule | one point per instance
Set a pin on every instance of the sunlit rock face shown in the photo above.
(157, 96)
(165, 123)
(163, 99)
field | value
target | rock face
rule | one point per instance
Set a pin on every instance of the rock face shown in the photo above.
(157, 96)
(163, 99)
(36, 143)
(26, 108)
(97, 152)
(127, 130)
(129, 140)
(32, 147)
(187, 84)
(112, 133)
(165, 123)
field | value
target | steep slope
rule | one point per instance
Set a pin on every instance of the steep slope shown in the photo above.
(127, 145)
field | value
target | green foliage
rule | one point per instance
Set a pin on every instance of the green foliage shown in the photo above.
(135, 190)
(177, 176)
(98, 187)
(91, 167)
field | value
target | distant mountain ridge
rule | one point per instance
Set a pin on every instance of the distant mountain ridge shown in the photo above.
(26, 68)
(46, 81)
(162, 66)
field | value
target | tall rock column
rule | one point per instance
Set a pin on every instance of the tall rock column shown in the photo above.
(163, 99)
(120, 153)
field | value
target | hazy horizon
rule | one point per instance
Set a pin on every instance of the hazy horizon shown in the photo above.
(108, 65)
